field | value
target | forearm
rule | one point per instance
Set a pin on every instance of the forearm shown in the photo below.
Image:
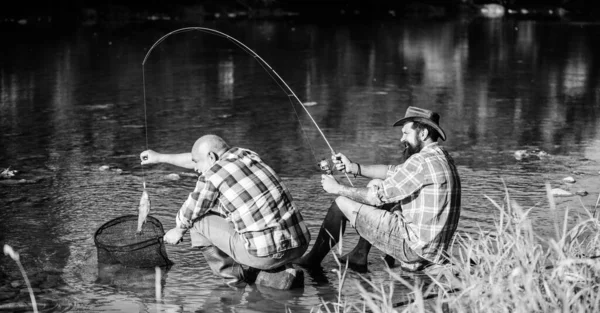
(370, 171)
(362, 195)
(178, 159)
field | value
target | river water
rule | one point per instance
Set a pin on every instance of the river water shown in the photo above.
(73, 102)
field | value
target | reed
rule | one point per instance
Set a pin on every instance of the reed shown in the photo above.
(508, 269)
(8, 250)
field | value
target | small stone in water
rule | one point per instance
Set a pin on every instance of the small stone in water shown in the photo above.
(581, 193)
(560, 192)
(173, 176)
(569, 180)
(104, 168)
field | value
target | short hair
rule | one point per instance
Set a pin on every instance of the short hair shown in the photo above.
(433, 134)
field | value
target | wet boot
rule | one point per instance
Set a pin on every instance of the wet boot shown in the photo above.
(333, 226)
(224, 266)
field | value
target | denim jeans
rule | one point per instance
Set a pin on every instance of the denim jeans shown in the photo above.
(214, 230)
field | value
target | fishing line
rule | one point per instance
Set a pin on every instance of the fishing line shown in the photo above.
(278, 80)
(145, 122)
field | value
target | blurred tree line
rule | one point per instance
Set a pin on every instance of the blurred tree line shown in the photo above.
(77, 11)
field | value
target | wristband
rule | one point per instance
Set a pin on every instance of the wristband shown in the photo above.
(358, 171)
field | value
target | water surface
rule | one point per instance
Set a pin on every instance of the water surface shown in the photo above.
(71, 103)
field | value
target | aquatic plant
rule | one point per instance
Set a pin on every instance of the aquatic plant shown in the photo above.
(8, 250)
(507, 269)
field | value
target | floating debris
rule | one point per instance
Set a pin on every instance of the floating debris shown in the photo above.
(524, 155)
(104, 168)
(133, 126)
(7, 173)
(173, 176)
(226, 115)
(581, 193)
(569, 180)
(560, 192)
(99, 106)
(309, 103)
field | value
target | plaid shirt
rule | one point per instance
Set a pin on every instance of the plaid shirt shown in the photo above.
(427, 187)
(251, 196)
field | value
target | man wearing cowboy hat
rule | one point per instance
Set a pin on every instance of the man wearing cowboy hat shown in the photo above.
(409, 211)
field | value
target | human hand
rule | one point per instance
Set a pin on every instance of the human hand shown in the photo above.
(149, 157)
(342, 163)
(174, 236)
(330, 185)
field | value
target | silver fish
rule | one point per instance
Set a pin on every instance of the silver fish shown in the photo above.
(144, 210)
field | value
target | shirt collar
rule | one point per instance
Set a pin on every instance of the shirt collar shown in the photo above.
(431, 145)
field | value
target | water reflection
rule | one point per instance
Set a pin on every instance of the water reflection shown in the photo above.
(76, 103)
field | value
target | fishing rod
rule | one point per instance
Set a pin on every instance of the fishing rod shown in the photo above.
(278, 80)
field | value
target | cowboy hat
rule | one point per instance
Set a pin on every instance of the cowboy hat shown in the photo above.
(414, 114)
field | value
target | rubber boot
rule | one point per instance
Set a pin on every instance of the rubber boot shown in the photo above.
(333, 225)
(224, 266)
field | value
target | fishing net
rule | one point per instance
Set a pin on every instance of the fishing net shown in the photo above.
(118, 242)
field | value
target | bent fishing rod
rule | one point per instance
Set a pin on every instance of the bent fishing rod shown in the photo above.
(278, 80)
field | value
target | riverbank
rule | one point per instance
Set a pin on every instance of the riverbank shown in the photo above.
(112, 16)
(510, 268)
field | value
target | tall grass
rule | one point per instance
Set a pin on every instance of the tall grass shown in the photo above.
(508, 269)
(9, 251)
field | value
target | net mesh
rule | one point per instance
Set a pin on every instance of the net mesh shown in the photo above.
(118, 242)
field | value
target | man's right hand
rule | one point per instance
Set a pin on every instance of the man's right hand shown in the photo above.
(149, 157)
(342, 163)
(174, 236)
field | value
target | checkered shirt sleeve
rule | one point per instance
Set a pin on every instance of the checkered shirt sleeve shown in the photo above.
(427, 186)
(254, 199)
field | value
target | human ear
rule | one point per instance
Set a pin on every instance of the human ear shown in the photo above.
(424, 133)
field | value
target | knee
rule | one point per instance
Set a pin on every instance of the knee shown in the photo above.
(342, 201)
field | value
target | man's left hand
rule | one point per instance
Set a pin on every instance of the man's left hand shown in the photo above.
(174, 236)
(329, 183)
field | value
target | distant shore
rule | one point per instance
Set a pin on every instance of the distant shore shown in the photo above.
(114, 16)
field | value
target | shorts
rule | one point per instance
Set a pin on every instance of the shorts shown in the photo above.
(383, 230)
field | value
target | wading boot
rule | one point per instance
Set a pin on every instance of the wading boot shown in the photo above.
(224, 266)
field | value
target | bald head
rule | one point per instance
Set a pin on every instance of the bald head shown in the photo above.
(210, 143)
(207, 150)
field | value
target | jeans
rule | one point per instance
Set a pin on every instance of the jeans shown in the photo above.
(224, 249)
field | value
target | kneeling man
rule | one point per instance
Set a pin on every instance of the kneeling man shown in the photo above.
(240, 212)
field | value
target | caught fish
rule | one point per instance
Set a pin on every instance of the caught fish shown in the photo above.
(144, 209)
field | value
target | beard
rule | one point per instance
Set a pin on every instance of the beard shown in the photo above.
(410, 149)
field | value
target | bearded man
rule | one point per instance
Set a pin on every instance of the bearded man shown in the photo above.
(409, 211)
